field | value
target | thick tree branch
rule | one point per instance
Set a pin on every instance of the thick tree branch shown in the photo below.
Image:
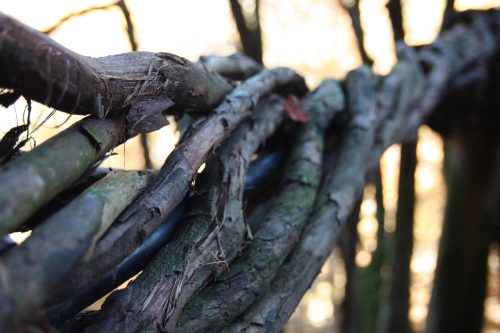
(250, 275)
(259, 171)
(338, 192)
(33, 179)
(210, 239)
(33, 270)
(381, 111)
(345, 180)
(138, 83)
(141, 218)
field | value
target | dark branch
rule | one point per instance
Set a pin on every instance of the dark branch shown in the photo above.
(354, 13)
(250, 32)
(70, 16)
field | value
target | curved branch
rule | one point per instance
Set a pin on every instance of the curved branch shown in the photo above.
(211, 236)
(259, 171)
(337, 195)
(36, 177)
(250, 275)
(141, 218)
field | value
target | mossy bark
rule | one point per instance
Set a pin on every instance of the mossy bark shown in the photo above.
(33, 179)
(33, 270)
(210, 237)
(143, 216)
(252, 272)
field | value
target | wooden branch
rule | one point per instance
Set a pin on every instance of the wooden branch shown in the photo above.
(343, 182)
(339, 191)
(250, 36)
(259, 171)
(457, 59)
(62, 199)
(52, 166)
(355, 15)
(236, 66)
(34, 178)
(253, 271)
(133, 46)
(32, 271)
(141, 84)
(144, 216)
(399, 96)
(124, 271)
(210, 237)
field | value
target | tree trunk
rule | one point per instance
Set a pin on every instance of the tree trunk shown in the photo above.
(460, 282)
(399, 300)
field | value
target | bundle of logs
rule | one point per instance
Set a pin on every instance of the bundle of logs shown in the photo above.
(232, 248)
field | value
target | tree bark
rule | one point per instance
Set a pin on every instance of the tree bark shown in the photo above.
(211, 237)
(460, 282)
(141, 218)
(342, 184)
(141, 84)
(250, 276)
(259, 171)
(398, 321)
(33, 270)
(33, 179)
(381, 111)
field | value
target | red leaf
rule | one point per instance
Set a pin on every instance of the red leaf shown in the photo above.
(294, 111)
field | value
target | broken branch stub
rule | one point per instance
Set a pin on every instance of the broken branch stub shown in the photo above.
(36, 66)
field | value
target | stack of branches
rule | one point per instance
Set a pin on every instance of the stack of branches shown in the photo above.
(235, 247)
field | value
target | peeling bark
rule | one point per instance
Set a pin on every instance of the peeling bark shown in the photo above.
(210, 238)
(250, 275)
(158, 83)
(259, 171)
(141, 218)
